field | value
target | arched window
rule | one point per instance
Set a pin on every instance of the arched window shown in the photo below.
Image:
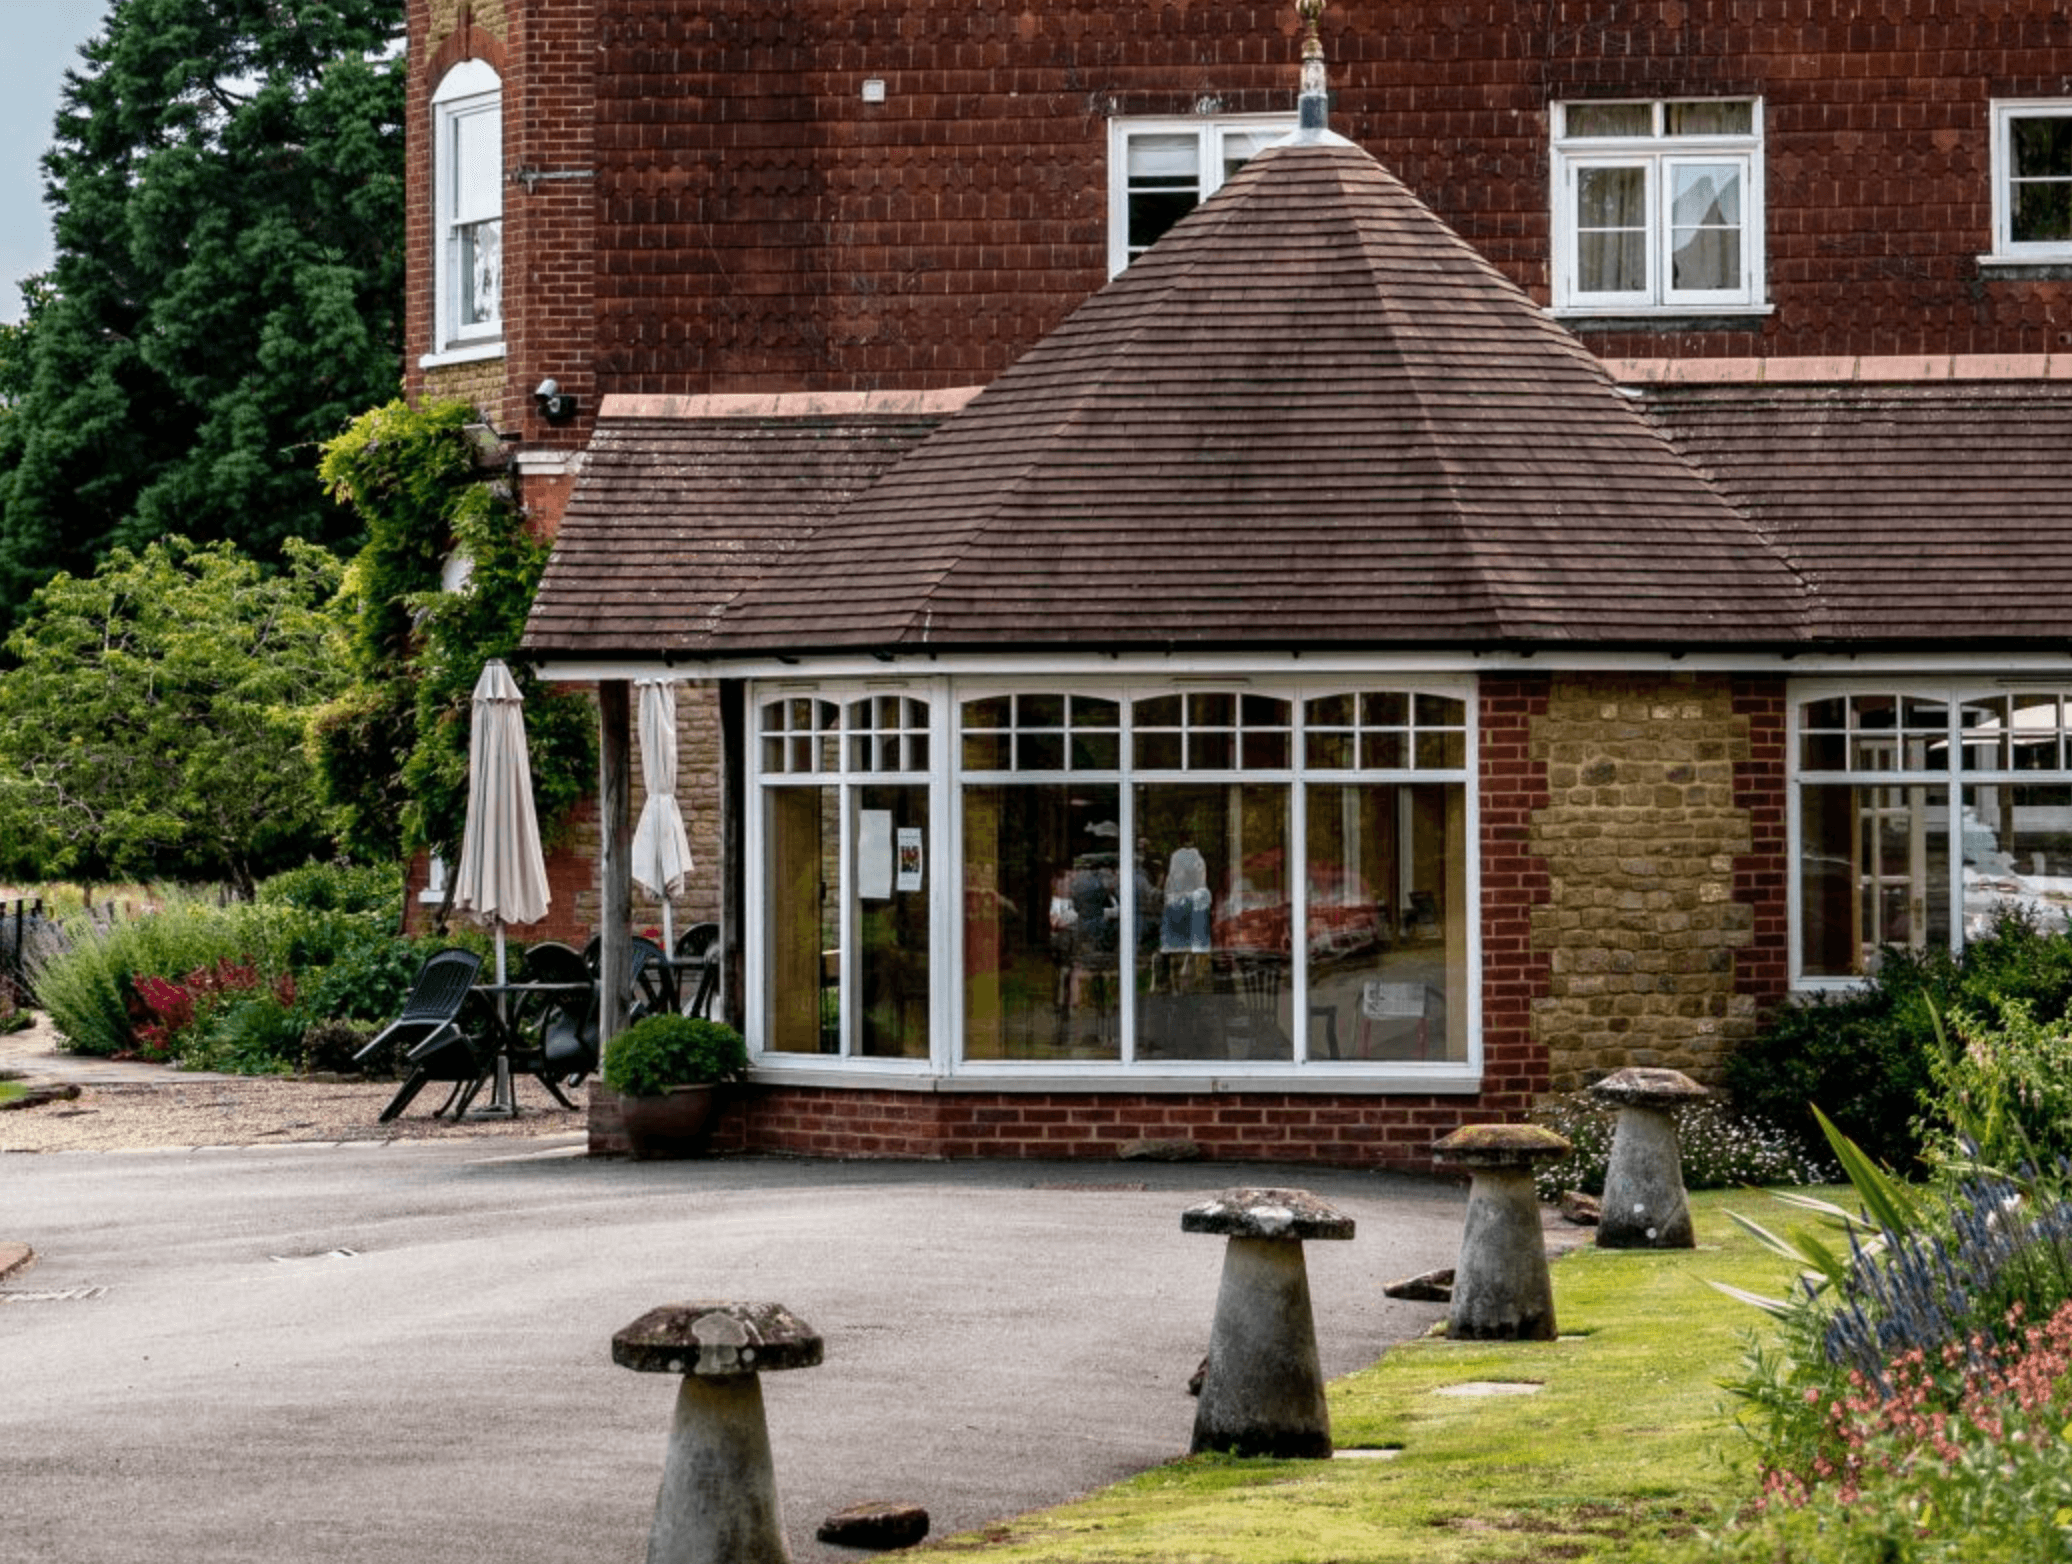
(468, 222)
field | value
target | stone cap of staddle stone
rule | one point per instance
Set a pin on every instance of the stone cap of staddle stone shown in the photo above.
(1500, 1146)
(716, 1339)
(1640, 1086)
(1267, 1213)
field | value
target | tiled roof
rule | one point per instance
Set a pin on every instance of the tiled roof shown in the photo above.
(1310, 416)
(1917, 513)
(684, 503)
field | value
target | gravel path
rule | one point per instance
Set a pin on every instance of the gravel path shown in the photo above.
(128, 1106)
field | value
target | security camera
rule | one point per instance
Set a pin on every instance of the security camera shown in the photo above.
(555, 407)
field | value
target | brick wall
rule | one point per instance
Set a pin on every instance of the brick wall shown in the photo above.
(1345, 1131)
(1656, 876)
(1516, 971)
(758, 226)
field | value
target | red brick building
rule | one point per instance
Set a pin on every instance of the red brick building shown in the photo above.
(1618, 634)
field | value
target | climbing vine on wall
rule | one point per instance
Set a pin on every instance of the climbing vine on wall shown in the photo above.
(392, 751)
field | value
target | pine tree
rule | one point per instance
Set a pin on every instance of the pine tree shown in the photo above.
(226, 185)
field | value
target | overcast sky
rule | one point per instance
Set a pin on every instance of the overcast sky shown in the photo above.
(39, 40)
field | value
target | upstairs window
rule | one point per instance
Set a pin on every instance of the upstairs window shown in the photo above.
(2032, 181)
(1160, 170)
(468, 192)
(1658, 206)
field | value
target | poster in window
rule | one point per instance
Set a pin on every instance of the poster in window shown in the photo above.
(874, 855)
(909, 858)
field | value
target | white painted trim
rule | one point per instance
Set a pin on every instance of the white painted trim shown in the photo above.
(1069, 666)
(2006, 252)
(1219, 1081)
(468, 353)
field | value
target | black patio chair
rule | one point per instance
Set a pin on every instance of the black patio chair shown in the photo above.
(428, 1035)
(700, 943)
(650, 986)
(554, 1036)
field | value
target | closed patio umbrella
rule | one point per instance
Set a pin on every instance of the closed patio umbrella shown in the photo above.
(661, 850)
(502, 878)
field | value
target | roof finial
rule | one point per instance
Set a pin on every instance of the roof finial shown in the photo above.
(1313, 107)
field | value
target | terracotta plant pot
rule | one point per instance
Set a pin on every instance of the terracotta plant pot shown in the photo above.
(673, 1125)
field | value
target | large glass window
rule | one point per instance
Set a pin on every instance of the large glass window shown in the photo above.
(846, 874)
(1881, 864)
(1658, 205)
(1194, 878)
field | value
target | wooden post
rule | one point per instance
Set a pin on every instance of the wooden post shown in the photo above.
(615, 850)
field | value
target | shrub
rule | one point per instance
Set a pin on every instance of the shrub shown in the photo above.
(659, 1052)
(1866, 1056)
(1720, 1148)
(330, 887)
(2002, 1094)
(1946, 1458)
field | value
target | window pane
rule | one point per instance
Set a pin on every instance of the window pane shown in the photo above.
(1441, 711)
(993, 712)
(1387, 941)
(1158, 751)
(1039, 752)
(1211, 750)
(804, 929)
(1160, 711)
(2042, 146)
(1873, 873)
(1330, 711)
(1384, 751)
(1165, 157)
(1096, 751)
(985, 752)
(1151, 214)
(2042, 212)
(1329, 751)
(1710, 119)
(1041, 938)
(2017, 855)
(1212, 922)
(1040, 711)
(1384, 709)
(481, 276)
(1705, 226)
(892, 922)
(1610, 119)
(1241, 146)
(1091, 712)
(1265, 750)
(1614, 198)
(1216, 710)
(1441, 751)
(478, 166)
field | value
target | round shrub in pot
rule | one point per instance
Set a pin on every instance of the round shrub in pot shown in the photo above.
(664, 1069)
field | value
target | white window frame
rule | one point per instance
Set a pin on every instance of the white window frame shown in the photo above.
(946, 778)
(2007, 251)
(468, 92)
(1210, 133)
(1952, 776)
(1659, 154)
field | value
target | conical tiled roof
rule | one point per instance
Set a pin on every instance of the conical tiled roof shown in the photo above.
(1311, 415)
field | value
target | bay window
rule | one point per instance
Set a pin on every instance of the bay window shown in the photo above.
(1169, 878)
(1920, 814)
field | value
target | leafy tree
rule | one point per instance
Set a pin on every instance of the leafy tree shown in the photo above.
(392, 749)
(226, 186)
(153, 727)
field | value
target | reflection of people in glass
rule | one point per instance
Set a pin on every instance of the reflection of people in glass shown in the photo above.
(1187, 900)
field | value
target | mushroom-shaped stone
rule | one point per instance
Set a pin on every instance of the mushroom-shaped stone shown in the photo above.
(1644, 1205)
(1262, 1389)
(1501, 1289)
(717, 1338)
(718, 1503)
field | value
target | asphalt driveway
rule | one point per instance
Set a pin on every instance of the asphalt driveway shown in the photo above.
(389, 1354)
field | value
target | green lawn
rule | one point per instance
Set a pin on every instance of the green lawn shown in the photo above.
(1627, 1446)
